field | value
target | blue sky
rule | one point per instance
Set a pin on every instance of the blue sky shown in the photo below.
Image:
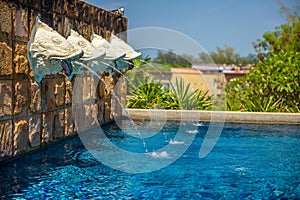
(212, 23)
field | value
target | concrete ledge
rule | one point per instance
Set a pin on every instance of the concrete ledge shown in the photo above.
(215, 116)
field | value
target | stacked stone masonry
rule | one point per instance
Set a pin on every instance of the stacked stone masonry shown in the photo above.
(34, 114)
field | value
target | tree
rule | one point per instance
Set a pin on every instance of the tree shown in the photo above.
(273, 83)
(171, 59)
(205, 58)
(225, 56)
(250, 59)
(222, 56)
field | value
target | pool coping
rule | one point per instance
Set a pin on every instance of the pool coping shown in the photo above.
(214, 116)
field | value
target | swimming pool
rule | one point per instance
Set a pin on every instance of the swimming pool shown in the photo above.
(249, 161)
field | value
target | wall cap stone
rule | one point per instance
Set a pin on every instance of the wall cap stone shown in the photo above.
(215, 116)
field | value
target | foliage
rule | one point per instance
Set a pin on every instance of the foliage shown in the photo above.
(273, 83)
(182, 96)
(149, 95)
(205, 58)
(136, 76)
(186, 99)
(228, 56)
(291, 13)
(249, 59)
(284, 37)
(155, 95)
(170, 59)
(141, 62)
(151, 66)
(222, 56)
(144, 92)
(219, 102)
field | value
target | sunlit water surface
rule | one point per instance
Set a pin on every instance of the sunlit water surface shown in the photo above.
(248, 162)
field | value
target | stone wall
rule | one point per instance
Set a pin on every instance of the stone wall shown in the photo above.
(35, 114)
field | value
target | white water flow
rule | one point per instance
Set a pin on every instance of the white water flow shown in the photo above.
(119, 102)
(123, 75)
(168, 139)
(114, 68)
(147, 130)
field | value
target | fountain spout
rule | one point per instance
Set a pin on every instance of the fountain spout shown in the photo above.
(49, 52)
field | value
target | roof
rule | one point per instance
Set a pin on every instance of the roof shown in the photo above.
(185, 70)
(208, 67)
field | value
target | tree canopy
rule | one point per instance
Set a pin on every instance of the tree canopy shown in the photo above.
(229, 56)
(171, 59)
(273, 83)
(226, 55)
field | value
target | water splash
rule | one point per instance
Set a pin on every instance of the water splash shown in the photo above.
(176, 142)
(198, 124)
(152, 128)
(192, 131)
(163, 154)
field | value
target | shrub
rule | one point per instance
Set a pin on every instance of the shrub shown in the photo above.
(273, 83)
(157, 96)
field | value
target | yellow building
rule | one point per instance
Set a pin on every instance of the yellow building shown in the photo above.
(212, 82)
(207, 77)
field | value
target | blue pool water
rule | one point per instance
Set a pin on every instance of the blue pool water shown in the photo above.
(248, 162)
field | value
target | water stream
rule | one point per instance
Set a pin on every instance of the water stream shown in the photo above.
(120, 103)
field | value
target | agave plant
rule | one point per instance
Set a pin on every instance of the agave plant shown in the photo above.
(149, 95)
(154, 95)
(136, 79)
(203, 100)
(264, 104)
(184, 98)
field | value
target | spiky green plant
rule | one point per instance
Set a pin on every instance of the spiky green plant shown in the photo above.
(184, 98)
(156, 96)
(149, 95)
